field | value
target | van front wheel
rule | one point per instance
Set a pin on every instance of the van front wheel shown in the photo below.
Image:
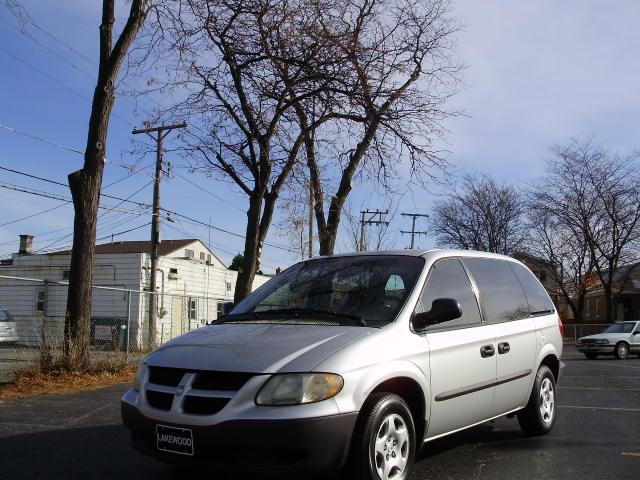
(384, 442)
(539, 415)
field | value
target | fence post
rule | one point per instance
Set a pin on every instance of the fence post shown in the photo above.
(128, 321)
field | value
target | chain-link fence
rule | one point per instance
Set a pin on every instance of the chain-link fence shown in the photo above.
(32, 315)
(574, 331)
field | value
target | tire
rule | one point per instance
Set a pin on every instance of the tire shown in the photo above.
(622, 350)
(384, 415)
(591, 356)
(538, 417)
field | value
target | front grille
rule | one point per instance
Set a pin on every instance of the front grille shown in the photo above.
(225, 381)
(160, 400)
(169, 377)
(208, 393)
(203, 405)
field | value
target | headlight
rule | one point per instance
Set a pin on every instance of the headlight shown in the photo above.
(602, 341)
(142, 369)
(299, 388)
(579, 341)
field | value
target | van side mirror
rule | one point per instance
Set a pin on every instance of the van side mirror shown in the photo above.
(226, 308)
(442, 310)
(637, 332)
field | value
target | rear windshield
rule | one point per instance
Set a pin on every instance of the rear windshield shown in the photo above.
(371, 289)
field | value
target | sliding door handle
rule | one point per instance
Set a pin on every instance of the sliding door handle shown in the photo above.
(487, 351)
(503, 348)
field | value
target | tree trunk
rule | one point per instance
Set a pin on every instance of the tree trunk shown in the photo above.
(86, 197)
(85, 184)
(251, 256)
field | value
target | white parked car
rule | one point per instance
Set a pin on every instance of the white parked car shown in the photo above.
(354, 361)
(8, 330)
(619, 339)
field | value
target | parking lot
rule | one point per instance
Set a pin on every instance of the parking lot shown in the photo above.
(596, 435)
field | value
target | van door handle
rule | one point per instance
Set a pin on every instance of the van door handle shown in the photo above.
(503, 348)
(487, 351)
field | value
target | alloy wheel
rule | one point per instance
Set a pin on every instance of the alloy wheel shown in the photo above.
(391, 450)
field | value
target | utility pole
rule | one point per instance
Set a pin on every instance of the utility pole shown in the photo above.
(413, 231)
(310, 218)
(160, 133)
(370, 217)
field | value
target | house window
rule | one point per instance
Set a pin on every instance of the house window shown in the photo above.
(596, 307)
(588, 304)
(219, 308)
(202, 256)
(228, 286)
(40, 301)
(65, 274)
(189, 253)
(209, 258)
(192, 304)
(173, 271)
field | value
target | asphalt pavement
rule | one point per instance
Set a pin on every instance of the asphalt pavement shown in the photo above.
(596, 436)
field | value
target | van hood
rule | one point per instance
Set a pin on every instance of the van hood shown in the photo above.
(255, 348)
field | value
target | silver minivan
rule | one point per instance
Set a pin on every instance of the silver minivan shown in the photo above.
(352, 363)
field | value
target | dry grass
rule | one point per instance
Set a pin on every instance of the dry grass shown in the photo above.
(61, 381)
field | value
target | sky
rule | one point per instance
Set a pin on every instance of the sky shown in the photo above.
(538, 73)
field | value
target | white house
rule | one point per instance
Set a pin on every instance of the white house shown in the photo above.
(192, 285)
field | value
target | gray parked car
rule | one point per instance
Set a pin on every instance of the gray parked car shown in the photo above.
(619, 339)
(8, 329)
(354, 362)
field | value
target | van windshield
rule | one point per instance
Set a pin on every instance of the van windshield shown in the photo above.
(364, 290)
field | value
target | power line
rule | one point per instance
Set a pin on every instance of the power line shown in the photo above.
(34, 214)
(208, 192)
(69, 149)
(59, 83)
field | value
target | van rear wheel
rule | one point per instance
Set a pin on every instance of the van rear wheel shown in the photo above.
(539, 415)
(384, 443)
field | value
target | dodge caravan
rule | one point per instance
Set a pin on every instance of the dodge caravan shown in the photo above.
(352, 363)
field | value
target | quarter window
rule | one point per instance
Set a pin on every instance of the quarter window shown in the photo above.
(537, 296)
(501, 296)
(448, 279)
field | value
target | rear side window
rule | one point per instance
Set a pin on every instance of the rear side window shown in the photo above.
(448, 279)
(537, 296)
(501, 296)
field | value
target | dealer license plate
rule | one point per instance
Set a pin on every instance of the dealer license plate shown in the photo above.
(174, 440)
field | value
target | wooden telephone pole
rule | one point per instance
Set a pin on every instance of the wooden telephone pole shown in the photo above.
(160, 133)
(370, 217)
(413, 231)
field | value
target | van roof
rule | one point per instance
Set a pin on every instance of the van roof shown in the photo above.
(428, 254)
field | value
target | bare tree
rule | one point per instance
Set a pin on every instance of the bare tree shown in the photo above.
(385, 83)
(231, 66)
(85, 184)
(556, 241)
(595, 195)
(481, 215)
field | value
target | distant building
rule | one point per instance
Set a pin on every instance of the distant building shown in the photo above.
(192, 285)
(626, 301)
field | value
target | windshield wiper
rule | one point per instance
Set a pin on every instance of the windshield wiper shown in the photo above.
(297, 312)
(316, 311)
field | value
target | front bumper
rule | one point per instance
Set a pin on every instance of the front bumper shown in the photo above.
(318, 444)
(596, 348)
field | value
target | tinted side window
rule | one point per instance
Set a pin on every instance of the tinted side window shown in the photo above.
(501, 295)
(537, 296)
(448, 279)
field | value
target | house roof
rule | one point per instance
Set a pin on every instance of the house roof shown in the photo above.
(165, 247)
